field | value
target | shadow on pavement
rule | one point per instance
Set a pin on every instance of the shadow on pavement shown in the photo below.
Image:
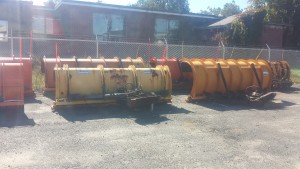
(142, 116)
(32, 100)
(278, 105)
(13, 118)
(49, 95)
(290, 90)
(236, 105)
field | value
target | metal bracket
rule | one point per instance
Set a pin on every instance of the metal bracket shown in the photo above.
(256, 76)
(222, 77)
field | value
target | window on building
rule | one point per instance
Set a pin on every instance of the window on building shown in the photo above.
(117, 24)
(165, 28)
(38, 25)
(100, 24)
(108, 27)
(49, 29)
(161, 26)
(3, 30)
(42, 25)
(173, 24)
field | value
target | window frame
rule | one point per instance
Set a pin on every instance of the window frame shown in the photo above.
(160, 35)
(109, 33)
(4, 38)
(47, 25)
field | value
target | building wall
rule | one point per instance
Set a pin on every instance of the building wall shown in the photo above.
(272, 35)
(18, 14)
(15, 20)
(78, 21)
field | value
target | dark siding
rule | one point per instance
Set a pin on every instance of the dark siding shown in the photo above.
(78, 21)
(273, 36)
(18, 14)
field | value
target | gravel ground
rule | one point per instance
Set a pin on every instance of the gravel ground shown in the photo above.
(178, 135)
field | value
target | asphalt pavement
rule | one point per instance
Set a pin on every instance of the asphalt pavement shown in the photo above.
(206, 134)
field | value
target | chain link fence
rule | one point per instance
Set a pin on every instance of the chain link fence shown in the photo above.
(37, 48)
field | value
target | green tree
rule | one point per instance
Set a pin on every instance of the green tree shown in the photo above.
(212, 11)
(257, 3)
(178, 6)
(228, 9)
(278, 11)
(244, 30)
(283, 12)
(237, 33)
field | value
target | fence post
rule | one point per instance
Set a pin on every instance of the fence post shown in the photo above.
(232, 53)
(138, 51)
(167, 49)
(30, 46)
(223, 49)
(149, 53)
(182, 50)
(269, 49)
(11, 43)
(56, 52)
(164, 53)
(21, 49)
(259, 54)
(97, 47)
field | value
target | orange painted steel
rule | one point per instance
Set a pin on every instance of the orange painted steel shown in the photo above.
(11, 85)
(173, 64)
(280, 71)
(211, 76)
(48, 65)
(27, 72)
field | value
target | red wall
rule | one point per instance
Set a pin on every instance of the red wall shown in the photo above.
(273, 36)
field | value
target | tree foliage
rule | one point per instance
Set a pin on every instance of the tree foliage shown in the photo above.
(278, 11)
(245, 30)
(257, 3)
(228, 9)
(237, 33)
(178, 6)
(212, 11)
(282, 12)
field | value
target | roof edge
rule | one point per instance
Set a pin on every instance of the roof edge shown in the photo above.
(126, 8)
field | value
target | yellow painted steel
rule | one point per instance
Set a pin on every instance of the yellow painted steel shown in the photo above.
(264, 72)
(222, 76)
(83, 102)
(245, 74)
(137, 62)
(98, 85)
(157, 80)
(48, 65)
